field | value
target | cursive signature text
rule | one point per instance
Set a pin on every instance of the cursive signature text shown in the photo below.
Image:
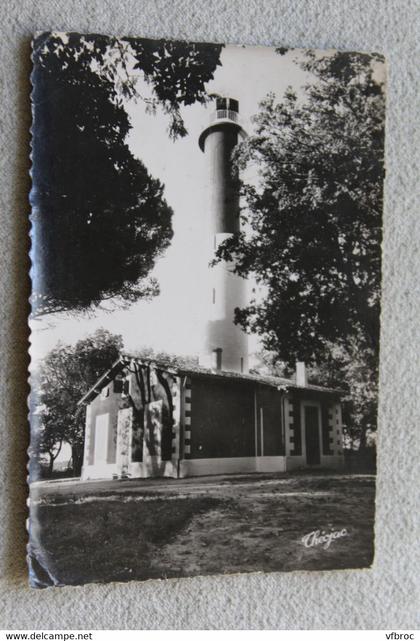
(318, 537)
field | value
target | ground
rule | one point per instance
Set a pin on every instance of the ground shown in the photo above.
(141, 529)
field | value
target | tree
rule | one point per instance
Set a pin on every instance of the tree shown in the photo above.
(99, 219)
(66, 374)
(315, 218)
(166, 358)
(268, 363)
(178, 73)
(49, 443)
(353, 367)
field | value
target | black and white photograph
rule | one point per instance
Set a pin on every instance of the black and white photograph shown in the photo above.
(206, 228)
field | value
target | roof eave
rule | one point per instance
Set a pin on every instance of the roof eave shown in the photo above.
(95, 389)
(279, 384)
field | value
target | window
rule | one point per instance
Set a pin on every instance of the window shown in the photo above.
(227, 103)
(118, 385)
(125, 387)
(214, 295)
(234, 105)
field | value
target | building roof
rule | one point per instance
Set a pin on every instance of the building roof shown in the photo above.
(270, 381)
(201, 372)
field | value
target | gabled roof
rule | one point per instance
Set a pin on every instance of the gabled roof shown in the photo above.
(201, 372)
(103, 380)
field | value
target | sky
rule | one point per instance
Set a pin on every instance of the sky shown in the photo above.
(174, 321)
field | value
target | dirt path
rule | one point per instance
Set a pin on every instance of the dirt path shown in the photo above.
(135, 531)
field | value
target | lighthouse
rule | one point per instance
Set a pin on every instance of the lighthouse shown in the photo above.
(226, 345)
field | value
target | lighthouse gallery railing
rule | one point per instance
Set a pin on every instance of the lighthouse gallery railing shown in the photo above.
(224, 113)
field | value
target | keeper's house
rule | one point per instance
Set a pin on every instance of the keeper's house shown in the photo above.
(146, 419)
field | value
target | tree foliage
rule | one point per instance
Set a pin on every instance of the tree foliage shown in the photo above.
(66, 374)
(165, 358)
(99, 219)
(178, 73)
(315, 218)
(353, 367)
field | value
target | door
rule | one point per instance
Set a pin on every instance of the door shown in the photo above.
(101, 439)
(313, 453)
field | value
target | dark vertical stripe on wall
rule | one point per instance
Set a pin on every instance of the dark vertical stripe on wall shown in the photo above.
(326, 445)
(256, 426)
(283, 427)
(297, 432)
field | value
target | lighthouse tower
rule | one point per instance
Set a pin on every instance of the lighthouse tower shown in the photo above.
(225, 345)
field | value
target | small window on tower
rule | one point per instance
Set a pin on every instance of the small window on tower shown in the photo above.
(214, 296)
(234, 105)
(242, 363)
(221, 103)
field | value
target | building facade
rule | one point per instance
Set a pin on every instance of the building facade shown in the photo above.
(147, 419)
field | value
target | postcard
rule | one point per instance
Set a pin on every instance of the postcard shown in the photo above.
(206, 225)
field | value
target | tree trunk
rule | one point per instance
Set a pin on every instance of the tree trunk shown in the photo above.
(77, 458)
(362, 443)
(51, 465)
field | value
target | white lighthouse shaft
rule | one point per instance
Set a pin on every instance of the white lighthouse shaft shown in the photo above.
(226, 345)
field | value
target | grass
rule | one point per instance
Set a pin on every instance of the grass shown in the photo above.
(255, 524)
